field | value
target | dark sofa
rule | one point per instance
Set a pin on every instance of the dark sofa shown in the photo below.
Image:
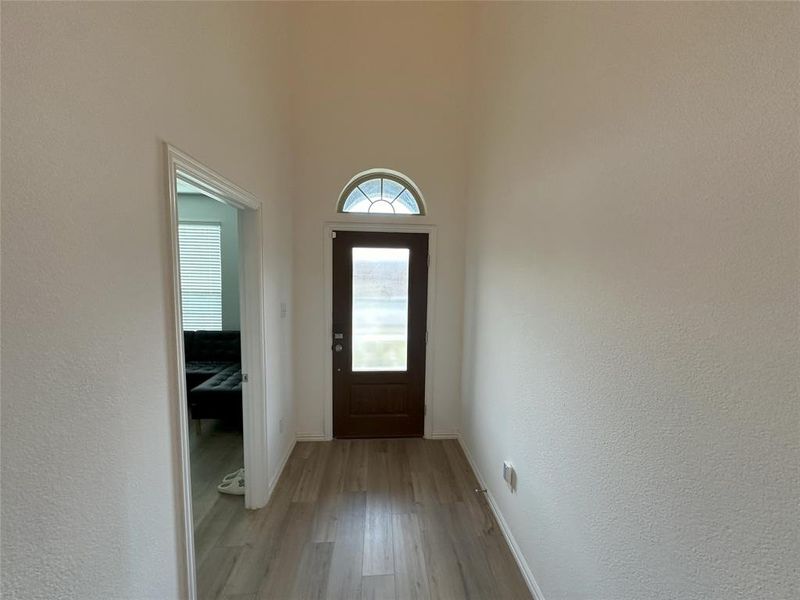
(214, 374)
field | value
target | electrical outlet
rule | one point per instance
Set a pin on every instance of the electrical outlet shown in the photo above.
(510, 475)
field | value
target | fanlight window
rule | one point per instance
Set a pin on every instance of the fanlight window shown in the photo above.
(384, 193)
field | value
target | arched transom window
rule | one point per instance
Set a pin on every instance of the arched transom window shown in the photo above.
(383, 192)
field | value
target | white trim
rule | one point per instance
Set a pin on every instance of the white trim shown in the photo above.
(527, 575)
(253, 336)
(253, 398)
(441, 435)
(312, 437)
(211, 183)
(329, 228)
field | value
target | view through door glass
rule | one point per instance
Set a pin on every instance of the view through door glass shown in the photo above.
(380, 309)
(379, 316)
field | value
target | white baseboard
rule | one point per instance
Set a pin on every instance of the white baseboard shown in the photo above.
(318, 437)
(533, 587)
(312, 437)
(443, 436)
(284, 460)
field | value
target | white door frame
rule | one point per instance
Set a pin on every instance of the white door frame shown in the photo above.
(254, 402)
(330, 227)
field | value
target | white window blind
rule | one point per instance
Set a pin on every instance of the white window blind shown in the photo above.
(201, 275)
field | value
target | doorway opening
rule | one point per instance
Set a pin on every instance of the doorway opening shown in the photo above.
(208, 245)
(215, 230)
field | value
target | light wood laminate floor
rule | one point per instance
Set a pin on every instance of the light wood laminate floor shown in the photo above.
(360, 519)
(216, 450)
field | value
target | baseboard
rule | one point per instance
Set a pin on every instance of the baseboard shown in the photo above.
(443, 436)
(277, 477)
(533, 587)
(312, 437)
(317, 437)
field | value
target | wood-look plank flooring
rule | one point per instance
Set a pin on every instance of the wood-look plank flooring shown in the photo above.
(215, 451)
(359, 519)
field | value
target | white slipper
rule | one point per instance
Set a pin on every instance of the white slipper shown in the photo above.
(232, 486)
(233, 475)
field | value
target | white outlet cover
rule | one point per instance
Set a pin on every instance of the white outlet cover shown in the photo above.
(509, 475)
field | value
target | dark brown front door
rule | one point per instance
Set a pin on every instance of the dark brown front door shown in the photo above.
(380, 294)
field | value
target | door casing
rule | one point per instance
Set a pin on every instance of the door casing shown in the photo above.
(254, 401)
(329, 228)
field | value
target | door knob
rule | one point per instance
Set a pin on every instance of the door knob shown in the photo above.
(338, 348)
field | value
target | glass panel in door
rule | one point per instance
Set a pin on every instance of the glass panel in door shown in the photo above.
(380, 309)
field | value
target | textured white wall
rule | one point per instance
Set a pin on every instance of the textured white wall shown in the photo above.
(89, 91)
(631, 323)
(378, 85)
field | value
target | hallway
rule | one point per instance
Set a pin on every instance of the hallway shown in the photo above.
(602, 325)
(356, 519)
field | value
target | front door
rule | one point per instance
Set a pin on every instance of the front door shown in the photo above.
(380, 296)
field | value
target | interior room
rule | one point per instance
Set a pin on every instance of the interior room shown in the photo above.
(399, 300)
(208, 243)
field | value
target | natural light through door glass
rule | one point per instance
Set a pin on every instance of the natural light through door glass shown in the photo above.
(380, 309)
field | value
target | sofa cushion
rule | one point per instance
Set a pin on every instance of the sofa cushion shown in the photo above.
(188, 344)
(219, 397)
(198, 371)
(207, 367)
(228, 382)
(221, 346)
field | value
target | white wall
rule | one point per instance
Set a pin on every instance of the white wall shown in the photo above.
(631, 326)
(378, 85)
(89, 93)
(202, 209)
(631, 338)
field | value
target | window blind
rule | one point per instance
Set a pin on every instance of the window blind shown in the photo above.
(201, 275)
